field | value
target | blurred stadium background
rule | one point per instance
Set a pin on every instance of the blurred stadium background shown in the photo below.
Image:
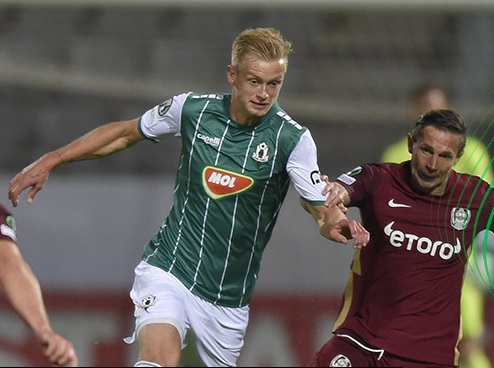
(69, 66)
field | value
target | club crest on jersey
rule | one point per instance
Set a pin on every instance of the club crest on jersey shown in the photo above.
(261, 152)
(460, 217)
(340, 361)
(220, 183)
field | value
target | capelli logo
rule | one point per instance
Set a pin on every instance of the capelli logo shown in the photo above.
(212, 141)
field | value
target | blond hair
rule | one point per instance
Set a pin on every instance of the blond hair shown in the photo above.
(267, 44)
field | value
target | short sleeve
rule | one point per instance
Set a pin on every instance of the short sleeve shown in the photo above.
(163, 120)
(303, 169)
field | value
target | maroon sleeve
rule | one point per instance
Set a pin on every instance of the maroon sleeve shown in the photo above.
(361, 182)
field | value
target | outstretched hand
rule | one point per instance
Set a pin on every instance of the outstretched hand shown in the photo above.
(345, 229)
(58, 350)
(33, 176)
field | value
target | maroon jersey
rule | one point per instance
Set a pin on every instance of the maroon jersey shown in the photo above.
(7, 225)
(403, 292)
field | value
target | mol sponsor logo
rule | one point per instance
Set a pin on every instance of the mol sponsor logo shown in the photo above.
(220, 183)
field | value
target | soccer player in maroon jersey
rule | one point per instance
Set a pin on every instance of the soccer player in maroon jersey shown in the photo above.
(22, 290)
(401, 304)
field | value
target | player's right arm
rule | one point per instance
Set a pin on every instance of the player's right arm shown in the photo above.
(334, 225)
(101, 141)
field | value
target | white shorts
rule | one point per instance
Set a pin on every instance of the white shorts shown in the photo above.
(159, 297)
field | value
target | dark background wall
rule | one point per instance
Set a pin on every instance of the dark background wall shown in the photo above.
(66, 69)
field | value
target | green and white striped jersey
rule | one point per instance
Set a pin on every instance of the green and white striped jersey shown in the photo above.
(231, 183)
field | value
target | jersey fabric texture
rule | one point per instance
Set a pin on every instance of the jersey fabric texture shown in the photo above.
(404, 288)
(7, 225)
(230, 186)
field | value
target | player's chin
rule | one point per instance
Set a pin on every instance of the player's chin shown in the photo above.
(259, 110)
(428, 184)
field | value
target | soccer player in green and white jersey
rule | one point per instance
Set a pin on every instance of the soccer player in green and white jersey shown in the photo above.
(240, 151)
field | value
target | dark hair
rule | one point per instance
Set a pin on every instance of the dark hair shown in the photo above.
(445, 120)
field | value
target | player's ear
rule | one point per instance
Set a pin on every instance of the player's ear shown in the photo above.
(410, 142)
(458, 156)
(231, 74)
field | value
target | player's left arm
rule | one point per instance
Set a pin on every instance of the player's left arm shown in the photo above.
(330, 216)
(334, 225)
